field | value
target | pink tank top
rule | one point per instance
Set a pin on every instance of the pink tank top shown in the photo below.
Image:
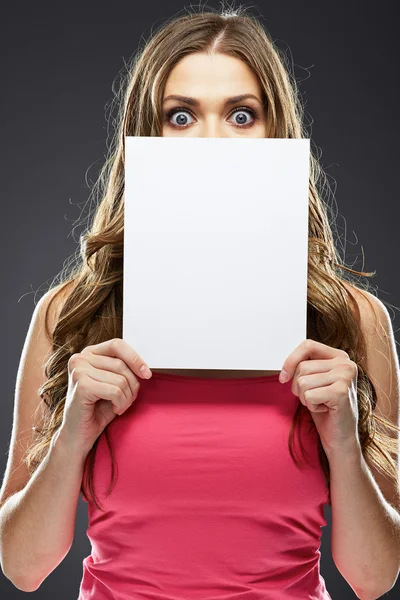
(208, 503)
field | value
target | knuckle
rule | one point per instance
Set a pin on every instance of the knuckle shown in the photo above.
(118, 393)
(119, 364)
(73, 359)
(300, 381)
(120, 380)
(123, 383)
(114, 344)
(346, 370)
(77, 373)
(340, 385)
(301, 369)
(83, 381)
(86, 350)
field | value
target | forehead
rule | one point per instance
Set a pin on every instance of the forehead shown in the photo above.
(199, 74)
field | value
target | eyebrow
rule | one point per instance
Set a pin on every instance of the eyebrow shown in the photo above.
(227, 101)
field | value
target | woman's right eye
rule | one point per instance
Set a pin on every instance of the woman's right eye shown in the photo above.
(173, 112)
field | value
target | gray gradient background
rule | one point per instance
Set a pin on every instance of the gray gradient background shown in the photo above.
(57, 72)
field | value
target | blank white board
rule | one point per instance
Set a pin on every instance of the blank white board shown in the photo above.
(215, 250)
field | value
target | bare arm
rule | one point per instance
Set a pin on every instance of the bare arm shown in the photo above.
(365, 527)
(38, 512)
(37, 523)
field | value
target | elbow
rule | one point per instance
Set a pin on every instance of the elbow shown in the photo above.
(376, 593)
(15, 578)
(375, 587)
(30, 588)
(20, 579)
(369, 596)
(390, 583)
(366, 595)
(22, 583)
(28, 580)
(27, 588)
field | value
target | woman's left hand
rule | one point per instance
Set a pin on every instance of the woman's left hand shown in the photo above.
(325, 380)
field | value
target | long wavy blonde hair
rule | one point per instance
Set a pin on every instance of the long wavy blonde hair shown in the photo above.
(91, 311)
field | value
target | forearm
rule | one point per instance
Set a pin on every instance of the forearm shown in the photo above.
(365, 527)
(37, 523)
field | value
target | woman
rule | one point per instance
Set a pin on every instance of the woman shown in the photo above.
(197, 489)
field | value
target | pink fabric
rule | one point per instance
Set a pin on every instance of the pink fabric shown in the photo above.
(208, 504)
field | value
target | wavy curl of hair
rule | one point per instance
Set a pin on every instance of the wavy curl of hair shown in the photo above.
(91, 311)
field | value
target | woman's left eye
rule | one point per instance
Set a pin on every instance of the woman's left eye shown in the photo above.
(242, 109)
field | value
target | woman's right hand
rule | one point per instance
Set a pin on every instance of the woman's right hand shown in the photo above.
(102, 383)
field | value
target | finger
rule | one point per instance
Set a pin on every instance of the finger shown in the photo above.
(101, 390)
(321, 408)
(307, 350)
(324, 395)
(114, 365)
(112, 379)
(309, 367)
(119, 348)
(303, 382)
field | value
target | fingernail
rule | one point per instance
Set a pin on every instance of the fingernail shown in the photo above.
(283, 376)
(145, 371)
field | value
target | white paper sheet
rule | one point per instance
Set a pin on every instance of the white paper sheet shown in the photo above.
(215, 250)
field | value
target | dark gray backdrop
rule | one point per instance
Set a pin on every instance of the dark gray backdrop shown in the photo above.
(58, 66)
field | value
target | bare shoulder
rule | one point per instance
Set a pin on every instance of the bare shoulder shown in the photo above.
(51, 303)
(372, 309)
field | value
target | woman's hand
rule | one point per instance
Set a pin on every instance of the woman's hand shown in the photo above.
(325, 380)
(102, 383)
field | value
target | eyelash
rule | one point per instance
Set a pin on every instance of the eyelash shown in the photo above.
(171, 112)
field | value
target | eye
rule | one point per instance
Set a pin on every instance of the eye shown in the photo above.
(244, 109)
(173, 112)
(182, 125)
